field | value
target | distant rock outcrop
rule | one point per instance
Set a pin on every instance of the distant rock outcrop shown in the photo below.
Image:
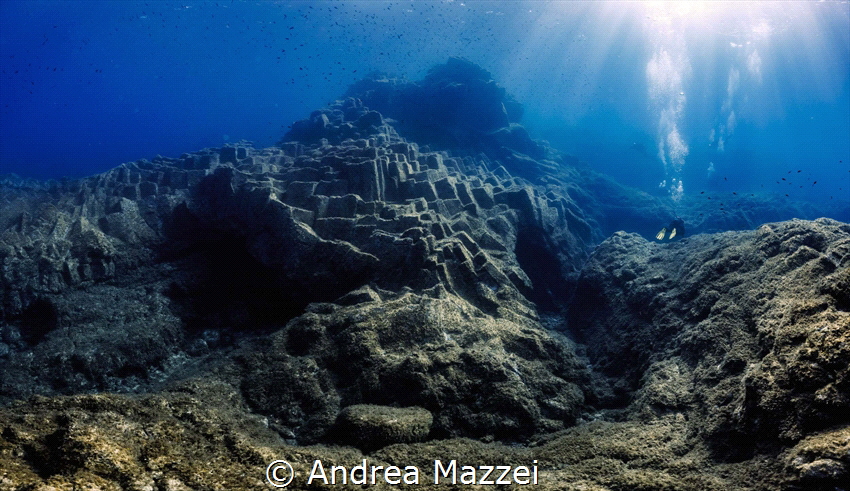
(460, 108)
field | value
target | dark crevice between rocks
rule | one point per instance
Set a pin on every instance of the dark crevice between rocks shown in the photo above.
(220, 290)
(38, 319)
(221, 286)
(536, 256)
(613, 379)
(45, 456)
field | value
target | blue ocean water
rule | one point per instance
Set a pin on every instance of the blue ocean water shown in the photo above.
(671, 97)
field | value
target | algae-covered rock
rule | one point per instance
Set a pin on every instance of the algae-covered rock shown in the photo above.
(820, 461)
(369, 426)
(745, 332)
(478, 375)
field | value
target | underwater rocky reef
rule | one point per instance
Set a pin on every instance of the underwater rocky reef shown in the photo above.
(409, 277)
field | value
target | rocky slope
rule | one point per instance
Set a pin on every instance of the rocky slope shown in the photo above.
(406, 282)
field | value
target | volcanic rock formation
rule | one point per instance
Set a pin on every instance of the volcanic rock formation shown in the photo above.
(409, 276)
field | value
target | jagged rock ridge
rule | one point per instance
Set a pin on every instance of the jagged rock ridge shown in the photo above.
(356, 288)
(405, 240)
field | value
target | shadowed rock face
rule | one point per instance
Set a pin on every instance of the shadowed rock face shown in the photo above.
(355, 286)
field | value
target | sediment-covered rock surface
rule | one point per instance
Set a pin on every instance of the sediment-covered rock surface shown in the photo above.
(404, 282)
(744, 333)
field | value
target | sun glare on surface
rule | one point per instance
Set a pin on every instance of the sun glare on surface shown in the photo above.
(731, 51)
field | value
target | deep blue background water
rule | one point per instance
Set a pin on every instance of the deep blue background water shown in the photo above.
(87, 85)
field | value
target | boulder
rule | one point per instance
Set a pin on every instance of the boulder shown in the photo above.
(371, 427)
